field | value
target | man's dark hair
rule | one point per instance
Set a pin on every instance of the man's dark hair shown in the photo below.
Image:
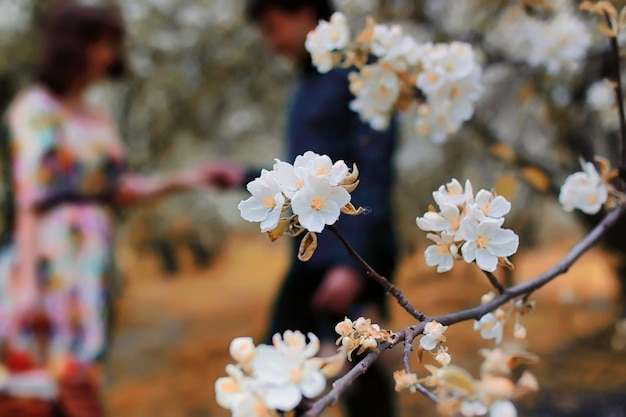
(255, 9)
(68, 33)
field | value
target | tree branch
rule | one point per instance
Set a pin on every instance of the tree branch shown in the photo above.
(494, 281)
(384, 282)
(523, 289)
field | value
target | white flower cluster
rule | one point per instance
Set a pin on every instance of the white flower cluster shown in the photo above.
(360, 334)
(491, 325)
(460, 394)
(432, 341)
(314, 188)
(586, 190)
(558, 44)
(394, 71)
(467, 226)
(326, 39)
(450, 79)
(271, 378)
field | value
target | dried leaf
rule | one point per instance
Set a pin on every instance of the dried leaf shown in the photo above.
(608, 31)
(502, 151)
(506, 186)
(307, 246)
(350, 210)
(351, 187)
(604, 165)
(521, 358)
(505, 262)
(279, 230)
(457, 379)
(599, 8)
(352, 177)
(537, 179)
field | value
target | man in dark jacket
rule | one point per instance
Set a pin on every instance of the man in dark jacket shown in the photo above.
(316, 295)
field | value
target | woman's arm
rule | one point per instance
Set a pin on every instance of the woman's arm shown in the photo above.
(134, 188)
(25, 287)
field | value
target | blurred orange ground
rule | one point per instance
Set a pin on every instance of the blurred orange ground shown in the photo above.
(173, 334)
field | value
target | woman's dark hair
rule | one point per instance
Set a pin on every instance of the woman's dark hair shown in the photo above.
(255, 9)
(68, 32)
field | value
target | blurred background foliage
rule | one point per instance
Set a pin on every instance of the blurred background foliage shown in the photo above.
(202, 87)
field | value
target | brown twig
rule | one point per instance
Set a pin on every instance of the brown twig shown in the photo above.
(384, 282)
(494, 282)
(342, 384)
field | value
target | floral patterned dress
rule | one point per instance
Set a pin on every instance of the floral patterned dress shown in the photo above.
(65, 164)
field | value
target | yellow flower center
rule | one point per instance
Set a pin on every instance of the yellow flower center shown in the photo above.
(383, 90)
(592, 199)
(295, 375)
(481, 242)
(317, 203)
(322, 171)
(334, 37)
(454, 224)
(443, 249)
(486, 208)
(269, 203)
(230, 386)
(455, 92)
(432, 78)
(299, 184)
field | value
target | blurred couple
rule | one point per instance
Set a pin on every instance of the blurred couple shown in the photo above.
(69, 176)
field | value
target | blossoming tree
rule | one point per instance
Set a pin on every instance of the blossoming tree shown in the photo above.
(439, 83)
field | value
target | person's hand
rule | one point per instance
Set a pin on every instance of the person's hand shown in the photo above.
(338, 291)
(26, 296)
(224, 174)
(221, 174)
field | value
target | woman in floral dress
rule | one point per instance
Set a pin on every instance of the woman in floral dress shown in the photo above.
(69, 174)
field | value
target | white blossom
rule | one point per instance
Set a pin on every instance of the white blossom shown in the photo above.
(443, 358)
(502, 409)
(584, 190)
(453, 193)
(240, 394)
(558, 44)
(326, 38)
(242, 350)
(394, 48)
(434, 122)
(473, 408)
(318, 204)
(600, 96)
(433, 335)
(266, 203)
(486, 241)
(443, 253)
(311, 164)
(287, 372)
(490, 326)
(376, 88)
(491, 205)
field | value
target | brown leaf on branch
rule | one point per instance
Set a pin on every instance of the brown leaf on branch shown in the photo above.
(307, 246)
(350, 210)
(600, 8)
(279, 230)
